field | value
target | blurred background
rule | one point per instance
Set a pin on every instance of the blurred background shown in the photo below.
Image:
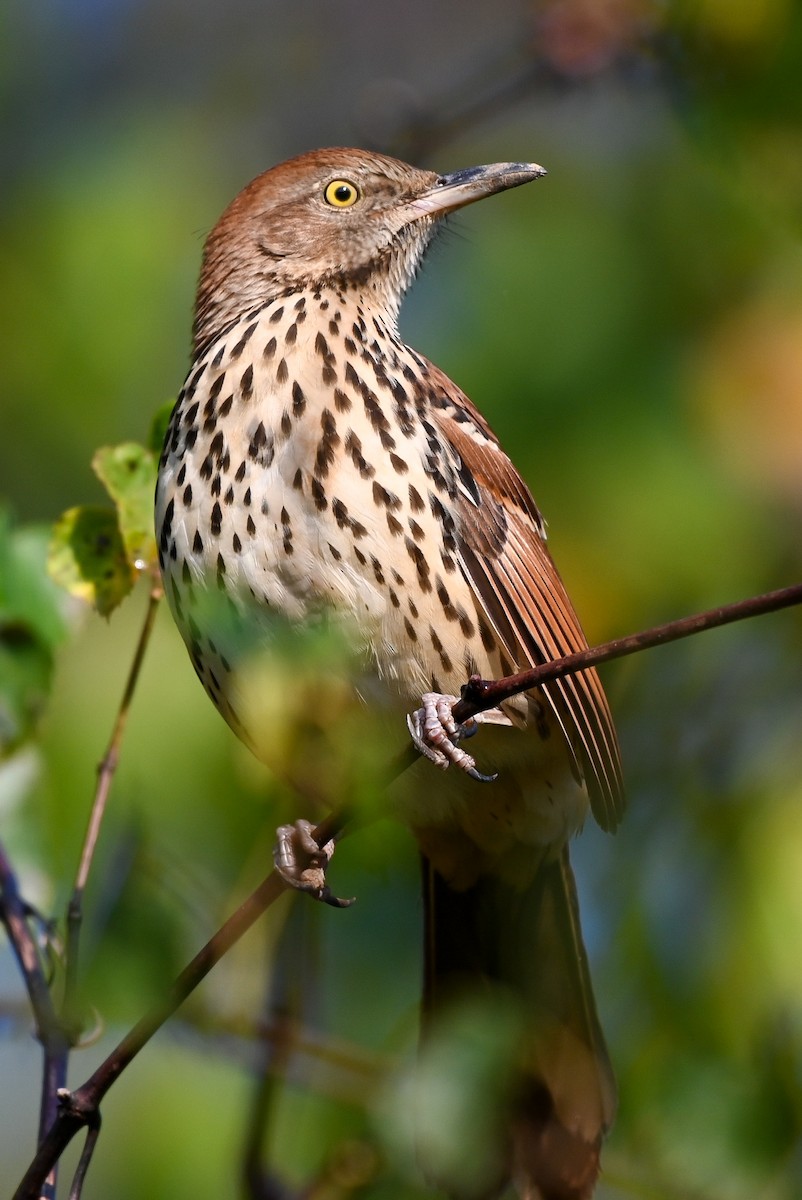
(632, 328)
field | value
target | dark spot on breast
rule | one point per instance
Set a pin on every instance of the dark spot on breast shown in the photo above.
(328, 442)
(187, 497)
(286, 529)
(240, 475)
(410, 628)
(277, 314)
(261, 447)
(217, 518)
(243, 342)
(466, 625)
(486, 634)
(341, 401)
(298, 480)
(246, 383)
(298, 399)
(286, 423)
(382, 496)
(421, 566)
(339, 512)
(249, 525)
(282, 373)
(393, 524)
(353, 447)
(269, 350)
(197, 542)
(319, 495)
(415, 499)
(291, 335)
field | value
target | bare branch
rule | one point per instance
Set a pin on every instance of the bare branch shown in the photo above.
(480, 694)
(81, 1107)
(14, 914)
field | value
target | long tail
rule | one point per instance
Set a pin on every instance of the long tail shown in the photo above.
(530, 942)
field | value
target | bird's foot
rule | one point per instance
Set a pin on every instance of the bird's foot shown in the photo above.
(303, 864)
(437, 735)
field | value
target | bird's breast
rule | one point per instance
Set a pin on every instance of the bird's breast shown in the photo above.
(301, 473)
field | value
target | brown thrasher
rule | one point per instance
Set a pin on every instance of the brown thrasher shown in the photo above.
(316, 464)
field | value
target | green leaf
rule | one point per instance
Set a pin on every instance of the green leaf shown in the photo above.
(128, 472)
(31, 624)
(26, 671)
(88, 557)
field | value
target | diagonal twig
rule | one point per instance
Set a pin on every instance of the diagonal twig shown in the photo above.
(481, 694)
(81, 1107)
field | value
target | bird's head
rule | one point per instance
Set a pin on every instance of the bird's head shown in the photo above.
(337, 217)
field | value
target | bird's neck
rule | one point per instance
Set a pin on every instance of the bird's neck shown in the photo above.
(372, 300)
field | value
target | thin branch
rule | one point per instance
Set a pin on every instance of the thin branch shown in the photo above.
(92, 1134)
(481, 694)
(14, 915)
(105, 775)
(81, 1107)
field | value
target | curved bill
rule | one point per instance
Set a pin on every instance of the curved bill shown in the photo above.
(473, 183)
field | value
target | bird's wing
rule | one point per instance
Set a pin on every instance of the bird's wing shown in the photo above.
(503, 555)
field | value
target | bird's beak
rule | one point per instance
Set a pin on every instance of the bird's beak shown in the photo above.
(474, 183)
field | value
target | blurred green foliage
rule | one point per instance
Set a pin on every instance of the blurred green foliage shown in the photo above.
(632, 327)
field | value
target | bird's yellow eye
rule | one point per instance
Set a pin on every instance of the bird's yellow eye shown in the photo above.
(341, 193)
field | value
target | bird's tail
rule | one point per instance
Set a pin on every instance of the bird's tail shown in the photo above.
(529, 943)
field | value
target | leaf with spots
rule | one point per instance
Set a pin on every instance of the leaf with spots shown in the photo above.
(128, 473)
(88, 557)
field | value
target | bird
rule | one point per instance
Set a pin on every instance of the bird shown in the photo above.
(316, 467)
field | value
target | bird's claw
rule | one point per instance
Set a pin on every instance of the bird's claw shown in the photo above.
(436, 735)
(302, 864)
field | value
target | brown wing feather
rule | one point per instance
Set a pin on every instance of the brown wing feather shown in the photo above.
(504, 557)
